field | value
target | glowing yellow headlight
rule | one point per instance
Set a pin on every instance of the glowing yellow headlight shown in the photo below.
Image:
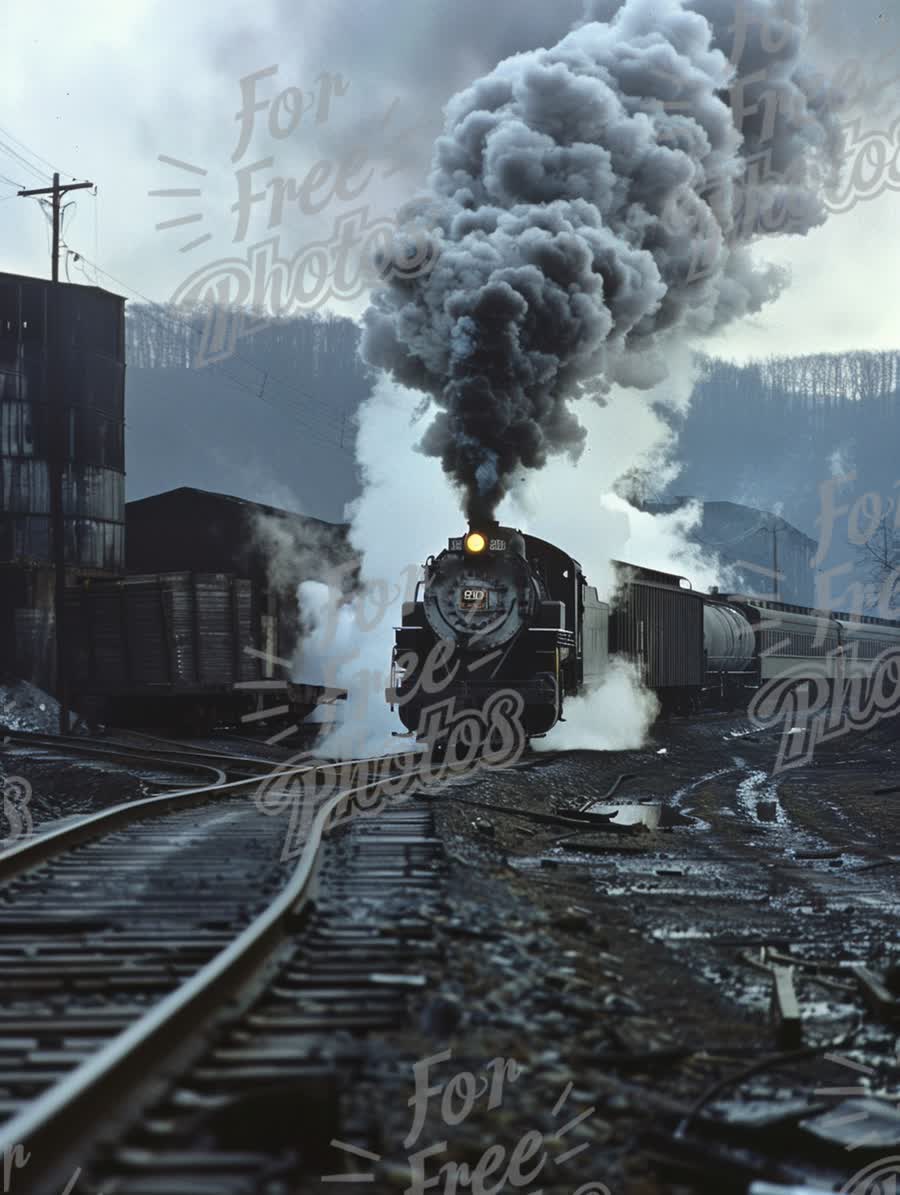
(475, 542)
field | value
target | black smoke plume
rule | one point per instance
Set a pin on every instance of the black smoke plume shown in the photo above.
(591, 202)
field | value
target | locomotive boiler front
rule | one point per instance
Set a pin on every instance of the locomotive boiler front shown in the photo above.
(482, 595)
(489, 596)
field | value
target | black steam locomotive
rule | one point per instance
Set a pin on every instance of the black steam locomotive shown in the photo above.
(499, 610)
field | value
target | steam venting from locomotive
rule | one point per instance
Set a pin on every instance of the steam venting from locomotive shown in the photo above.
(590, 204)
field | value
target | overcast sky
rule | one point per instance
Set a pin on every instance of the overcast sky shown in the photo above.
(102, 89)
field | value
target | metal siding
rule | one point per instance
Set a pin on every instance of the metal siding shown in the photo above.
(17, 430)
(92, 367)
(595, 629)
(661, 629)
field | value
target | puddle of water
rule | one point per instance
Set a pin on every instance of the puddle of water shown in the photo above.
(677, 799)
(634, 813)
(757, 797)
(681, 935)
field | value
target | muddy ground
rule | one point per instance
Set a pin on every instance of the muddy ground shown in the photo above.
(594, 983)
(622, 974)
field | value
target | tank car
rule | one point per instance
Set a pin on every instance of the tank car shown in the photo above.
(750, 641)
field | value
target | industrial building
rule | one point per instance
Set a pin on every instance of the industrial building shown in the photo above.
(767, 556)
(62, 411)
(191, 530)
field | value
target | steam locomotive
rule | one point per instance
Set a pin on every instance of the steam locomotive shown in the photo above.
(501, 610)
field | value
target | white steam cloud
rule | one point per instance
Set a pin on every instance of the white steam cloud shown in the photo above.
(614, 717)
(405, 512)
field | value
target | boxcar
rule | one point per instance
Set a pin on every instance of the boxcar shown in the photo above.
(657, 623)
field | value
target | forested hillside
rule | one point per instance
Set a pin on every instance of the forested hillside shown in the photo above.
(770, 434)
(271, 420)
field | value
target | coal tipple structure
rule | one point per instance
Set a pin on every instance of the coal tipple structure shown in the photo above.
(62, 415)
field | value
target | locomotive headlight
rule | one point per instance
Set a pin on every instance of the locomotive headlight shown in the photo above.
(475, 542)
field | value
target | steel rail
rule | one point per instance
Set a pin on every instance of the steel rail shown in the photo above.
(114, 752)
(32, 851)
(54, 1125)
(180, 748)
(173, 753)
(95, 747)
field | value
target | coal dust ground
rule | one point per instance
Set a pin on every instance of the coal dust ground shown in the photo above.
(592, 984)
(623, 974)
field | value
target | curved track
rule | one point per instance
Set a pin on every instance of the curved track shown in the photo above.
(127, 930)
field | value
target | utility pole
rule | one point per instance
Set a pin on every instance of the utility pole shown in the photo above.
(58, 446)
(775, 558)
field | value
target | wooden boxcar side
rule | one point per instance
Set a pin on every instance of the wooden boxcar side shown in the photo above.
(658, 624)
(176, 632)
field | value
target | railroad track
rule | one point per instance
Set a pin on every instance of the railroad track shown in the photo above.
(170, 755)
(129, 931)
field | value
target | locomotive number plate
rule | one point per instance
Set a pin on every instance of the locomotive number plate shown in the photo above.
(474, 599)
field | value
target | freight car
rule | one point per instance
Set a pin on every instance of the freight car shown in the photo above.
(181, 650)
(751, 641)
(657, 621)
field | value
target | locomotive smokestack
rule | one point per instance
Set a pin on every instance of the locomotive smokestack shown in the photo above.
(591, 203)
(486, 525)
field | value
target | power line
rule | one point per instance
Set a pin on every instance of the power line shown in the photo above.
(727, 543)
(331, 437)
(240, 384)
(21, 144)
(40, 175)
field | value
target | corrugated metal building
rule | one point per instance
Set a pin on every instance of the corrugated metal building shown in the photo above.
(89, 361)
